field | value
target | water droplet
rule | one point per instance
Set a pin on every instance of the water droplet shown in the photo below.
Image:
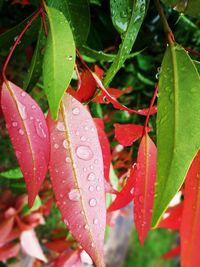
(86, 227)
(92, 202)
(66, 222)
(18, 154)
(23, 94)
(14, 124)
(77, 133)
(84, 152)
(33, 107)
(91, 176)
(65, 144)
(84, 169)
(74, 195)
(60, 126)
(91, 188)
(86, 128)
(56, 146)
(69, 58)
(98, 188)
(31, 118)
(92, 244)
(91, 167)
(22, 110)
(140, 199)
(92, 129)
(75, 111)
(40, 131)
(68, 160)
(63, 181)
(21, 132)
(95, 221)
(132, 191)
(96, 161)
(83, 138)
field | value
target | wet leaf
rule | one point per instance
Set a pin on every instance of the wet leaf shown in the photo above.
(29, 135)
(190, 224)
(178, 125)
(68, 259)
(76, 170)
(144, 186)
(59, 59)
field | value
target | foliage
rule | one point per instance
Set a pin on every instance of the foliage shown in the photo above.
(84, 108)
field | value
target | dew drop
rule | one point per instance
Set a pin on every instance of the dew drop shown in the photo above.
(21, 132)
(132, 191)
(14, 124)
(86, 128)
(69, 58)
(68, 160)
(140, 199)
(98, 188)
(96, 161)
(84, 169)
(22, 110)
(65, 144)
(77, 133)
(86, 227)
(91, 167)
(92, 202)
(91, 188)
(84, 152)
(66, 222)
(92, 244)
(18, 154)
(23, 94)
(92, 129)
(75, 111)
(91, 176)
(95, 221)
(60, 126)
(31, 118)
(56, 146)
(40, 131)
(74, 195)
(33, 107)
(83, 138)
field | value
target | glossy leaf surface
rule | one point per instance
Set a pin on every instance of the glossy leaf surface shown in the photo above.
(177, 123)
(190, 225)
(29, 135)
(137, 14)
(144, 186)
(76, 169)
(59, 59)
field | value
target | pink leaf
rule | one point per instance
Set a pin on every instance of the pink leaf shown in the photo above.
(29, 135)
(172, 253)
(144, 186)
(5, 229)
(76, 170)
(31, 246)
(9, 251)
(173, 220)
(126, 134)
(105, 147)
(68, 259)
(126, 194)
(190, 223)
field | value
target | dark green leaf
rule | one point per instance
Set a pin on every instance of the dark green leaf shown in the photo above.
(98, 55)
(78, 15)
(35, 68)
(178, 125)
(59, 59)
(128, 39)
(12, 174)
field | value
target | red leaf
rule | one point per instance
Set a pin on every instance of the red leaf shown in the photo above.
(190, 225)
(69, 259)
(172, 253)
(5, 229)
(144, 186)
(105, 147)
(126, 134)
(76, 170)
(31, 246)
(118, 105)
(59, 245)
(88, 86)
(9, 251)
(29, 135)
(173, 220)
(126, 194)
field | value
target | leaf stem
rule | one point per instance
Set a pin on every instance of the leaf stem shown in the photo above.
(149, 111)
(168, 32)
(29, 23)
(194, 52)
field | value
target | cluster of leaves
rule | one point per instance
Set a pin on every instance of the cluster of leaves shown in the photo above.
(74, 146)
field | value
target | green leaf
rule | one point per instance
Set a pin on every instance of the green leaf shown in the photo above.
(12, 174)
(36, 206)
(35, 68)
(128, 39)
(78, 15)
(121, 14)
(59, 59)
(188, 7)
(197, 65)
(178, 125)
(7, 38)
(98, 55)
